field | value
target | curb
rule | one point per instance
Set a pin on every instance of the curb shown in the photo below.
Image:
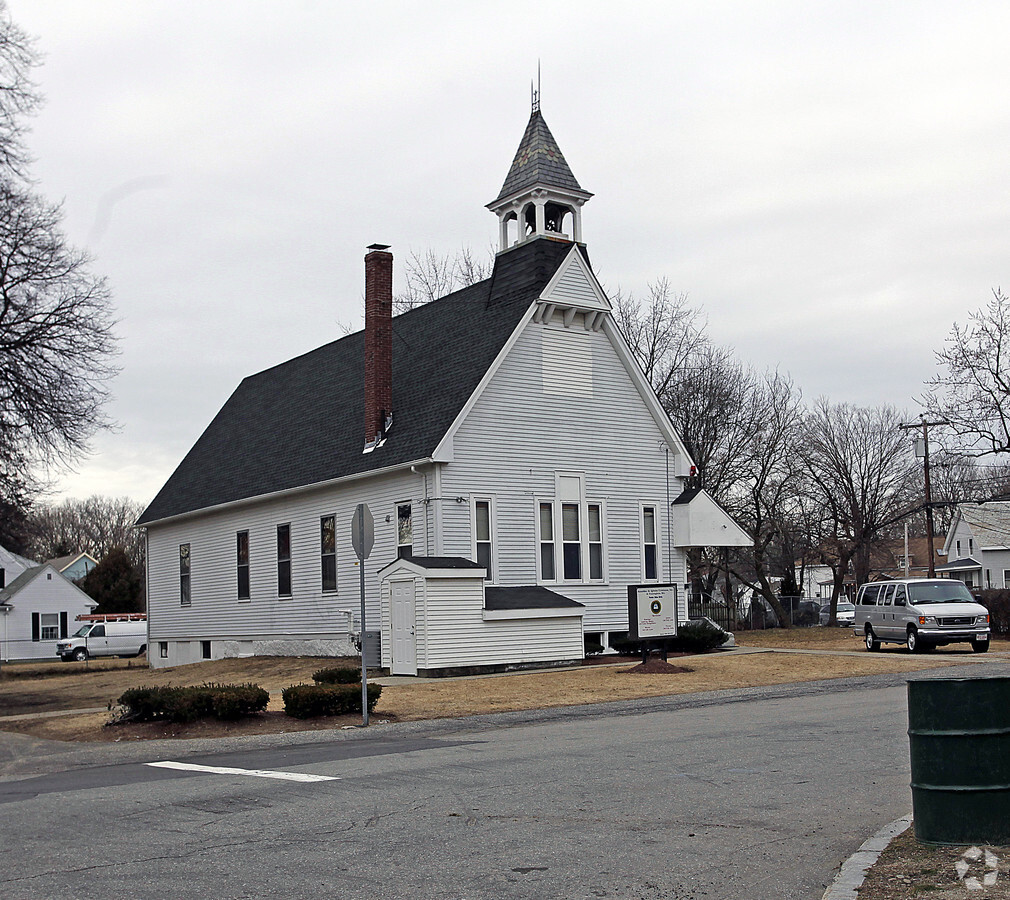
(850, 878)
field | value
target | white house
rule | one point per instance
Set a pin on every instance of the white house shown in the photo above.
(37, 609)
(978, 545)
(519, 468)
(12, 565)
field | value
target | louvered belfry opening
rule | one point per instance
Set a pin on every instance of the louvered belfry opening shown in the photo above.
(378, 342)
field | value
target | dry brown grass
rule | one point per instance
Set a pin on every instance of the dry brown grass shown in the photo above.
(440, 698)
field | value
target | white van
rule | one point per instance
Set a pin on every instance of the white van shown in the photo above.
(110, 635)
(921, 613)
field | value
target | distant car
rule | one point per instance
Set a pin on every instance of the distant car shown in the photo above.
(844, 615)
(729, 643)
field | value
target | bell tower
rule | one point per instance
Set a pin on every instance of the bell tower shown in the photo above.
(540, 196)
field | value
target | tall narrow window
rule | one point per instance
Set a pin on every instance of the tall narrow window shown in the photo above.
(650, 548)
(283, 560)
(404, 531)
(571, 543)
(242, 563)
(328, 551)
(184, 569)
(482, 535)
(595, 542)
(547, 569)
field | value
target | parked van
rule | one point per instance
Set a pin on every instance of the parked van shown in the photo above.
(111, 635)
(921, 613)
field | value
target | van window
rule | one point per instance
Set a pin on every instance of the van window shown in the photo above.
(899, 595)
(82, 631)
(869, 594)
(932, 592)
(886, 595)
(98, 631)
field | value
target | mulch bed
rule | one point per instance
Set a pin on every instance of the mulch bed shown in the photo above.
(656, 666)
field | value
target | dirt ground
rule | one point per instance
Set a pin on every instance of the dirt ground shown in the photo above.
(40, 688)
(909, 870)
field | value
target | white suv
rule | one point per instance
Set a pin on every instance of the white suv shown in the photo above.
(921, 613)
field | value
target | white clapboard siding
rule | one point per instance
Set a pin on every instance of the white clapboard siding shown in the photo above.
(215, 611)
(518, 436)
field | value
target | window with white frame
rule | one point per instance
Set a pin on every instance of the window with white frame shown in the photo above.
(185, 597)
(971, 546)
(49, 626)
(650, 545)
(284, 560)
(570, 535)
(545, 521)
(1006, 578)
(328, 552)
(242, 564)
(404, 531)
(483, 536)
(957, 545)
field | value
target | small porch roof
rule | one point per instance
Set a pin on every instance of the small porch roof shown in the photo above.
(699, 521)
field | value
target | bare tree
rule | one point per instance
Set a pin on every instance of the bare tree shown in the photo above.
(96, 526)
(55, 325)
(859, 469)
(972, 392)
(429, 276)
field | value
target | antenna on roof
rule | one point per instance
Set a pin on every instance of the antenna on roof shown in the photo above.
(535, 92)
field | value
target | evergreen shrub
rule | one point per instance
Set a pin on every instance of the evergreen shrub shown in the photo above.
(306, 701)
(340, 675)
(226, 702)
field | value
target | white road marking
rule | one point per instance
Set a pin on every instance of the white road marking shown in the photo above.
(257, 773)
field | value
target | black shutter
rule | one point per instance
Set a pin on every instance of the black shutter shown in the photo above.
(63, 624)
(36, 628)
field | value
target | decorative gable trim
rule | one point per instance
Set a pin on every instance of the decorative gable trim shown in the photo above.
(574, 288)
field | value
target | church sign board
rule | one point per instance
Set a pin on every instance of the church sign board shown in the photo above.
(652, 611)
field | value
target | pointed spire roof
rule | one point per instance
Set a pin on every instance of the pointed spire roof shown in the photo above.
(538, 162)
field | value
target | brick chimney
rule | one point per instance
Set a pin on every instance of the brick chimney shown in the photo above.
(378, 342)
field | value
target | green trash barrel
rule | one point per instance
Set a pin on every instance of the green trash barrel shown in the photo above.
(959, 744)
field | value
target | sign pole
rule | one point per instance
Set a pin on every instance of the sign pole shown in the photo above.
(361, 588)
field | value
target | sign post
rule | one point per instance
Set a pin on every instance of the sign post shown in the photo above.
(652, 613)
(362, 539)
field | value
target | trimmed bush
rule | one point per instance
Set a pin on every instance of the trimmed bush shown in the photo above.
(306, 701)
(692, 637)
(226, 702)
(997, 601)
(337, 676)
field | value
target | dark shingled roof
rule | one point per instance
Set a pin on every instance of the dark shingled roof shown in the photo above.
(538, 160)
(444, 562)
(302, 422)
(526, 597)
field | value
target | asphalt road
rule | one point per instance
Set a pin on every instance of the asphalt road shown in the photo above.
(741, 795)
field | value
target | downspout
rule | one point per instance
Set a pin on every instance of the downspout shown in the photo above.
(669, 521)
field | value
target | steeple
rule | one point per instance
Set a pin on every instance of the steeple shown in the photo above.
(540, 196)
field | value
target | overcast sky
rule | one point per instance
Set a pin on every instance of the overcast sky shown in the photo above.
(826, 181)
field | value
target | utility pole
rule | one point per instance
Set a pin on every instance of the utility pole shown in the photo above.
(925, 426)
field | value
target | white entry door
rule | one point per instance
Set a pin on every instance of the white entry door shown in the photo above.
(401, 615)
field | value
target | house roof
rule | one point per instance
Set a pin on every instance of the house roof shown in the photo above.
(526, 597)
(444, 562)
(990, 522)
(62, 563)
(967, 564)
(538, 161)
(301, 423)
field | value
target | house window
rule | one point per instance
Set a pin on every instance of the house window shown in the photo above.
(205, 649)
(284, 561)
(404, 531)
(595, 541)
(971, 546)
(242, 564)
(328, 552)
(3, 578)
(1006, 578)
(957, 544)
(163, 649)
(650, 548)
(571, 542)
(546, 521)
(988, 578)
(184, 570)
(49, 626)
(482, 530)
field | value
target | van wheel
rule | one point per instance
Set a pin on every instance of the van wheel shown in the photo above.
(980, 646)
(142, 650)
(912, 640)
(80, 654)
(872, 644)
